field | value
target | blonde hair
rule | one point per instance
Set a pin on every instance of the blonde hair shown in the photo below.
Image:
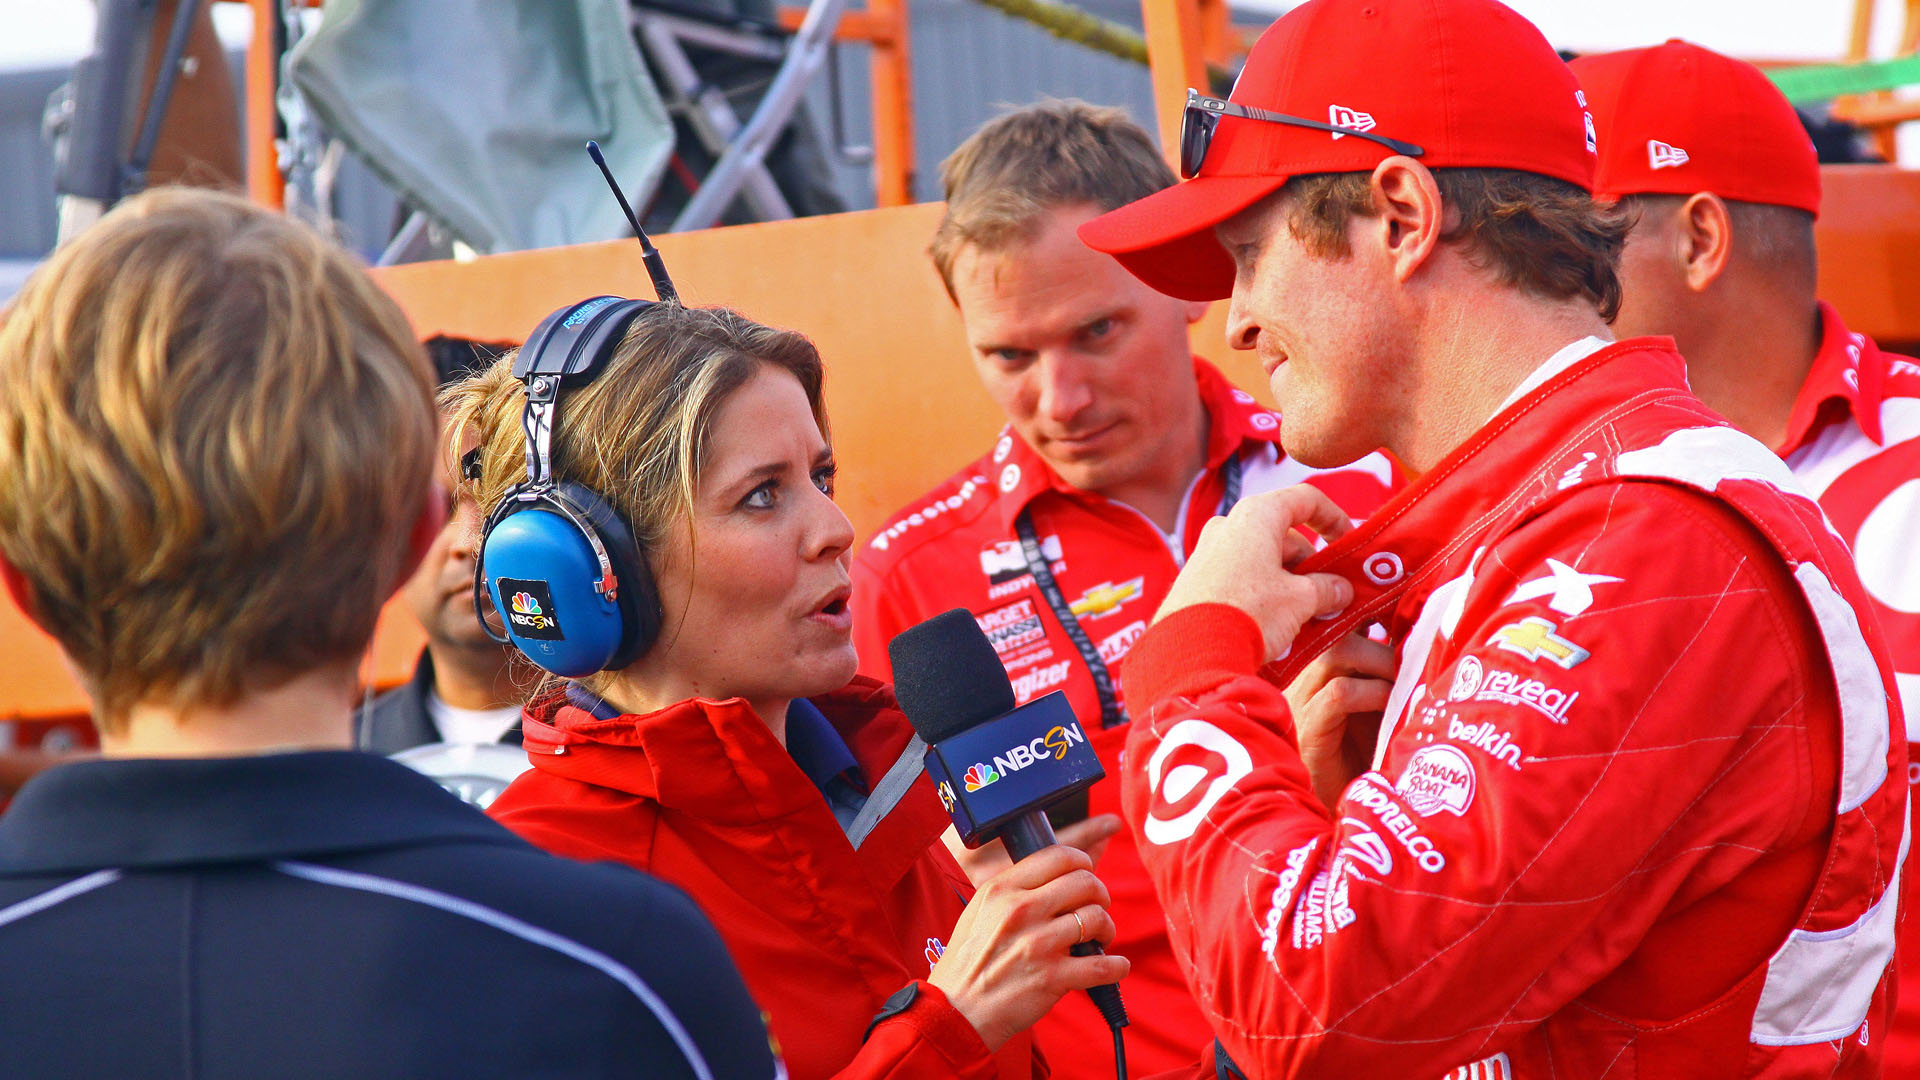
(637, 434)
(1019, 167)
(217, 434)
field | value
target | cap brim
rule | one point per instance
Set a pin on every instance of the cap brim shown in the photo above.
(1166, 239)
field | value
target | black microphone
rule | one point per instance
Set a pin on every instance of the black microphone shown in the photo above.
(996, 767)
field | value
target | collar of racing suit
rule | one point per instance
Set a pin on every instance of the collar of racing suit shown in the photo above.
(1404, 545)
(1850, 370)
(1234, 418)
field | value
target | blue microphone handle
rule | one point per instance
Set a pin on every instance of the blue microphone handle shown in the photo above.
(1027, 834)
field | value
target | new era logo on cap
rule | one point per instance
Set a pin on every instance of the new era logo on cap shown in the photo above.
(1664, 156)
(1351, 119)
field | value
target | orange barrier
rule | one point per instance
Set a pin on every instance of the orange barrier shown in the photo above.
(906, 407)
(1869, 237)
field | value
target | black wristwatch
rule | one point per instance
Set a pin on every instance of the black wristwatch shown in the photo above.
(900, 1002)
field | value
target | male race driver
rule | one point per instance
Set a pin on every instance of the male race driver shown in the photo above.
(1634, 809)
(1723, 185)
(1064, 537)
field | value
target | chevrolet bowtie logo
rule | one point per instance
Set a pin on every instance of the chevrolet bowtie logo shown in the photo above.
(1534, 638)
(1106, 596)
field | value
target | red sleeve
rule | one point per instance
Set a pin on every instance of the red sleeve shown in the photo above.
(1531, 819)
(929, 1038)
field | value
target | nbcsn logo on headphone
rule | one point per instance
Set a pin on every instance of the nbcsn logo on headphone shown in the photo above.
(530, 609)
(527, 612)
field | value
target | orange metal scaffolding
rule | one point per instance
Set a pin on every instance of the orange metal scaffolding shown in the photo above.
(882, 26)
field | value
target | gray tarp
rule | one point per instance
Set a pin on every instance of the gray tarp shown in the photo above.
(477, 111)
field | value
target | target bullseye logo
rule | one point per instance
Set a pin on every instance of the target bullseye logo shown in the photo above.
(1875, 507)
(1383, 568)
(1191, 770)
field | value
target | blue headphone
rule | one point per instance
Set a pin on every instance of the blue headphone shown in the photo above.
(557, 560)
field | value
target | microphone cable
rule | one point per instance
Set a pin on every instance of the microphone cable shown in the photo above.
(1113, 1010)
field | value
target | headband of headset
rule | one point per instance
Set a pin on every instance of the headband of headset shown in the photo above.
(568, 348)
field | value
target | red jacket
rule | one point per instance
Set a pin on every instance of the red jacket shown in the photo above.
(1854, 441)
(957, 548)
(1631, 812)
(701, 795)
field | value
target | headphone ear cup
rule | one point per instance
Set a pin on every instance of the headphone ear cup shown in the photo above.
(639, 595)
(542, 575)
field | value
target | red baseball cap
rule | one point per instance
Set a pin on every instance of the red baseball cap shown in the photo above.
(1676, 118)
(1470, 82)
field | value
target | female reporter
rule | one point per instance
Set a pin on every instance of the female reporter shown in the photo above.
(739, 757)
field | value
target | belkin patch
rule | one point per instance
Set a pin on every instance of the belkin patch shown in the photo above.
(529, 609)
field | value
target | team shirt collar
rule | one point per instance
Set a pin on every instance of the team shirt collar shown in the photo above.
(1849, 368)
(162, 812)
(817, 748)
(1234, 419)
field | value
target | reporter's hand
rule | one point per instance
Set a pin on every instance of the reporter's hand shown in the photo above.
(1337, 702)
(1007, 961)
(1091, 835)
(1241, 560)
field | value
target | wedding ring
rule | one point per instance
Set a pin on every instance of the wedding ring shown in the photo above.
(1083, 927)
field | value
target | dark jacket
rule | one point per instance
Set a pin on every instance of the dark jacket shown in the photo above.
(398, 720)
(334, 914)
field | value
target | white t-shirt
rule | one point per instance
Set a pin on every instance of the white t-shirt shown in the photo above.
(457, 725)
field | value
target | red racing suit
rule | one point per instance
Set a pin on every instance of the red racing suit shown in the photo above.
(701, 795)
(1635, 808)
(1854, 441)
(959, 547)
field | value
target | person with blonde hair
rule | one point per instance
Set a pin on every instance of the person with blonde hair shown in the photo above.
(726, 744)
(218, 442)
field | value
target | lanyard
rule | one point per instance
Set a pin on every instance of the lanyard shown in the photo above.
(1111, 714)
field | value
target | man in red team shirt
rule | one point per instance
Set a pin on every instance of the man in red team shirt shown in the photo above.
(1724, 185)
(1064, 537)
(1634, 808)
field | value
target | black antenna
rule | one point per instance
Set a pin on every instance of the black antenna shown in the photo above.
(656, 269)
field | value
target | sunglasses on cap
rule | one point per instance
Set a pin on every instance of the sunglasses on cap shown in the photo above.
(1203, 114)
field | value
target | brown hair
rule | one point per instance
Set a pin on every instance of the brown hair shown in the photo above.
(1779, 238)
(1019, 167)
(217, 434)
(637, 434)
(1539, 234)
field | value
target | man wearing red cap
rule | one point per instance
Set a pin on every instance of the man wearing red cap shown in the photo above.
(1723, 185)
(1633, 808)
(1065, 536)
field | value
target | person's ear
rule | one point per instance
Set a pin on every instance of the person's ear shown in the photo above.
(427, 524)
(1704, 239)
(1197, 310)
(1411, 215)
(19, 589)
